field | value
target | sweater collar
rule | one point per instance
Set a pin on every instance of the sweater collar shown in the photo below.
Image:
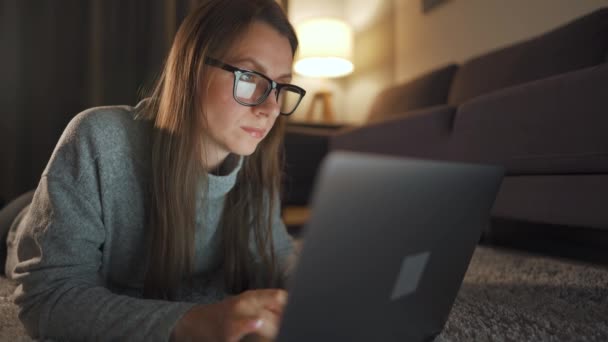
(219, 186)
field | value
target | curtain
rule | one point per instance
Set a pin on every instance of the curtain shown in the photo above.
(58, 58)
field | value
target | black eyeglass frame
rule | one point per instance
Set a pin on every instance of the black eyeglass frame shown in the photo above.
(273, 85)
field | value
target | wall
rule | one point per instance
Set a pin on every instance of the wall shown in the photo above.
(374, 56)
(373, 27)
(460, 29)
(395, 41)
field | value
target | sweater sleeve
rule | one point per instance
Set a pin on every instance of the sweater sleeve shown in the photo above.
(283, 244)
(61, 292)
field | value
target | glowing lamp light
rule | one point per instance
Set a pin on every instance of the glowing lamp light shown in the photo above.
(326, 46)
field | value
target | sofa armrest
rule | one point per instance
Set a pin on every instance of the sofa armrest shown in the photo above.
(556, 125)
(419, 134)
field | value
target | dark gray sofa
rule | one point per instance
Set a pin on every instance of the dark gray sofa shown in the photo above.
(538, 107)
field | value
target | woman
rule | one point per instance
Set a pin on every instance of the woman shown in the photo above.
(162, 221)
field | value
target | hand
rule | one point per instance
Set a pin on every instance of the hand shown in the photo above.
(255, 338)
(256, 312)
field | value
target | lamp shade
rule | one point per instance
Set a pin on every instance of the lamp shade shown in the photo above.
(326, 46)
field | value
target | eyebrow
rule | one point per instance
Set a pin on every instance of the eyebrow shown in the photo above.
(260, 67)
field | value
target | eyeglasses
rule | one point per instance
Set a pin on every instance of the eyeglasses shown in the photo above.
(251, 88)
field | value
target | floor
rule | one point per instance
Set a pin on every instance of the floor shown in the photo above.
(506, 295)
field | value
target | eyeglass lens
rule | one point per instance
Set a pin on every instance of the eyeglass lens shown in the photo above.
(251, 89)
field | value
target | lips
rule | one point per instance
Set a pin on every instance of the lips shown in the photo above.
(257, 133)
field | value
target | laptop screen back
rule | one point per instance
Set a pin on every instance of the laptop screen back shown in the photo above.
(386, 247)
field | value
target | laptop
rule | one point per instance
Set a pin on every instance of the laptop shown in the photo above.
(386, 247)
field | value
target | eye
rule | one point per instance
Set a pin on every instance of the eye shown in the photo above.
(248, 77)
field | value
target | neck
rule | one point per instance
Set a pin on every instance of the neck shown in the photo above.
(213, 160)
(225, 166)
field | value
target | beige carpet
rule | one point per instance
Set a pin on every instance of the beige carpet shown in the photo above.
(10, 327)
(511, 296)
(506, 296)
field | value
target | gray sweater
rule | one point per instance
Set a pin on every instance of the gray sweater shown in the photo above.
(78, 252)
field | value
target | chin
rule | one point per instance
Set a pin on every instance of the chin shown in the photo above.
(245, 149)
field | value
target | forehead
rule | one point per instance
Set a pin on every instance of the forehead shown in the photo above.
(266, 46)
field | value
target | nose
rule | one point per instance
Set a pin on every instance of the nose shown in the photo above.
(270, 106)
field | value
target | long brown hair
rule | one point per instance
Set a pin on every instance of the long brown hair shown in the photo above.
(177, 170)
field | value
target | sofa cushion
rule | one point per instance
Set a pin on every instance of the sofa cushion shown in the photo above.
(428, 90)
(422, 133)
(571, 200)
(552, 126)
(579, 44)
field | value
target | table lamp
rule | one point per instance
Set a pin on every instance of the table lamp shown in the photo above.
(325, 51)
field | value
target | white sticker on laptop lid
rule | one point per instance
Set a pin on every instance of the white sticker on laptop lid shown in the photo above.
(409, 276)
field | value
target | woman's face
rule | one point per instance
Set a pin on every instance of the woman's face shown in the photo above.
(232, 127)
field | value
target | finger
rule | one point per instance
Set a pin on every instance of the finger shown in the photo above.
(269, 328)
(271, 299)
(243, 327)
(277, 310)
(249, 303)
